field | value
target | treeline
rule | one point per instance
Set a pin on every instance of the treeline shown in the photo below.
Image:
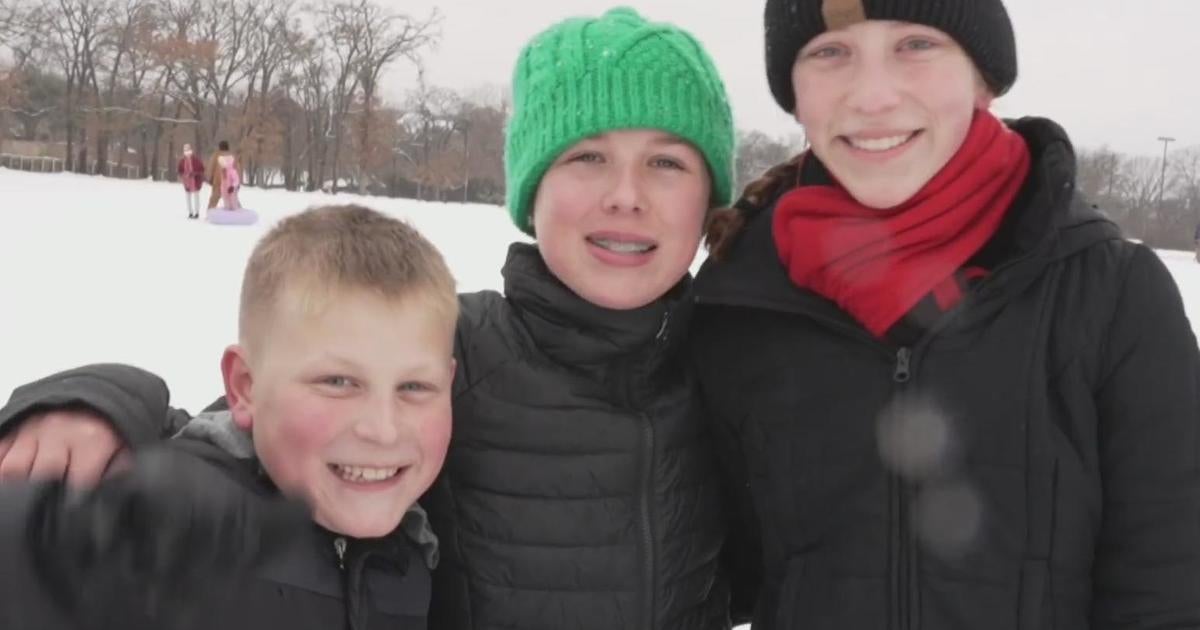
(296, 89)
(117, 86)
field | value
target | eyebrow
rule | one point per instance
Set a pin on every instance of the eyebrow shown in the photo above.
(417, 366)
(335, 358)
(669, 140)
(660, 137)
(898, 24)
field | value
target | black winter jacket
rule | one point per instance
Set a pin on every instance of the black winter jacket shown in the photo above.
(1032, 463)
(324, 581)
(580, 490)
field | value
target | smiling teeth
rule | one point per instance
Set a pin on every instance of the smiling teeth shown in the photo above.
(879, 144)
(362, 474)
(622, 247)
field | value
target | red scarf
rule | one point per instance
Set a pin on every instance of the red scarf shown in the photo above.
(878, 264)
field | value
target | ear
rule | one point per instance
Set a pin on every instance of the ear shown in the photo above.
(983, 102)
(983, 94)
(239, 379)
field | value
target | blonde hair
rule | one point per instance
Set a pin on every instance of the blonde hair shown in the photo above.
(328, 249)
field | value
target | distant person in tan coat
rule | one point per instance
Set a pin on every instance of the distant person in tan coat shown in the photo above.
(215, 173)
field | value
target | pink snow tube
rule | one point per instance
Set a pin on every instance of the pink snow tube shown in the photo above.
(220, 216)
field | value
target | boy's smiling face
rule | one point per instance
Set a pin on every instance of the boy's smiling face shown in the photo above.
(349, 404)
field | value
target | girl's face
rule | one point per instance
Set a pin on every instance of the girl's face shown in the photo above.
(886, 105)
(618, 216)
(187, 149)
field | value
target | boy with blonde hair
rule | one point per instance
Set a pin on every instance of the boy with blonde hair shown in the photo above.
(339, 393)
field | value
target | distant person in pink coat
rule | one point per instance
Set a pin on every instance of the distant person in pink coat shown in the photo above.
(231, 181)
(191, 174)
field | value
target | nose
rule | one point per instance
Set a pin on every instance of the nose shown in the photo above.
(380, 422)
(624, 191)
(874, 87)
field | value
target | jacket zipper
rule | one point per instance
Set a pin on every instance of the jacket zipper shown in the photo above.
(339, 548)
(903, 371)
(647, 524)
(661, 335)
(904, 546)
(647, 521)
(340, 545)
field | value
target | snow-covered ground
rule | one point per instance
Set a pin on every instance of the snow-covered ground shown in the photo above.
(95, 269)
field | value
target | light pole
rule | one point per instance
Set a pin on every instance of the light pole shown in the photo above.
(1162, 185)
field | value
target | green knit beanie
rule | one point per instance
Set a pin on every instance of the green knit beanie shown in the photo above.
(587, 76)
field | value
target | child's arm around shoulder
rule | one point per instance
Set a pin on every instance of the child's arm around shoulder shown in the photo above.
(133, 400)
(74, 423)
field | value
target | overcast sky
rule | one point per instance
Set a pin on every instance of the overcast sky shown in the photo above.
(1116, 72)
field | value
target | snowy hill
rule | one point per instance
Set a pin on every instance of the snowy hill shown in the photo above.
(96, 269)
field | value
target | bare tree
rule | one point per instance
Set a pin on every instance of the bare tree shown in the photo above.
(30, 90)
(1137, 191)
(14, 21)
(441, 173)
(481, 123)
(146, 74)
(19, 35)
(75, 25)
(296, 141)
(1097, 172)
(209, 51)
(431, 122)
(157, 51)
(105, 67)
(229, 26)
(340, 23)
(9, 14)
(316, 101)
(1185, 171)
(273, 52)
(386, 37)
(758, 152)
(1139, 183)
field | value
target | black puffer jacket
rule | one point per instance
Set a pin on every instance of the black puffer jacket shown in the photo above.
(1032, 463)
(579, 490)
(323, 581)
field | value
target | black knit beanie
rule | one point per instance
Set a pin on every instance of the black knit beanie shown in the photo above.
(981, 27)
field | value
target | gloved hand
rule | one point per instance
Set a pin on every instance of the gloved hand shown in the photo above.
(171, 529)
(229, 190)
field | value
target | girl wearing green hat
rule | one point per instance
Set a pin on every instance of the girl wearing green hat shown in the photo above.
(580, 489)
(955, 395)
